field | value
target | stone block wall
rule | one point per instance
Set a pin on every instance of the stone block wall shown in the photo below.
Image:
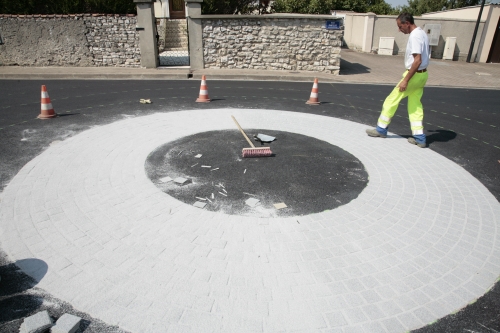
(69, 40)
(271, 43)
(113, 41)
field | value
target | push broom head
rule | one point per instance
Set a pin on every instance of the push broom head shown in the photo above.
(256, 152)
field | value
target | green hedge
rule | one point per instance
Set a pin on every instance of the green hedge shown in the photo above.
(27, 7)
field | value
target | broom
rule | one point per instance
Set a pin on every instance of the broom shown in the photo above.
(252, 152)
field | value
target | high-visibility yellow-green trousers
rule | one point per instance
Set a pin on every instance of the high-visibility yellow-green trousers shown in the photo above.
(414, 92)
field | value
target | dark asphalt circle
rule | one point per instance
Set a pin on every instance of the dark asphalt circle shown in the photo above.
(306, 174)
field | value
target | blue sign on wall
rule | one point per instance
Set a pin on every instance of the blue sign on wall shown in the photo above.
(332, 25)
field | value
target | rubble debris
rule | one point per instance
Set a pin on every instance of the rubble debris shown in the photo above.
(206, 166)
(203, 199)
(67, 323)
(264, 138)
(145, 101)
(223, 194)
(252, 202)
(194, 165)
(280, 205)
(214, 169)
(181, 181)
(198, 156)
(165, 179)
(36, 323)
(200, 204)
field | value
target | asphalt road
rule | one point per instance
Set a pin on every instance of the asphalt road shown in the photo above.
(461, 124)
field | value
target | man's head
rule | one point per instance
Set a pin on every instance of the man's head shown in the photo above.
(405, 23)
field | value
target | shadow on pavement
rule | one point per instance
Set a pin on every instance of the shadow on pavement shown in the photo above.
(18, 307)
(20, 298)
(22, 275)
(15, 279)
(35, 268)
(440, 136)
(349, 68)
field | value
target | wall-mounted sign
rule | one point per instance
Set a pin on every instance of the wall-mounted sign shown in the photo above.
(333, 24)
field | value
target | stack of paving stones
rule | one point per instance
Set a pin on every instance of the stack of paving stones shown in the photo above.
(41, 322)
(273, 43)
(70, 40)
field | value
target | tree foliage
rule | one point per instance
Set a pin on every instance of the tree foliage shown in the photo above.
(325, 6)
(380, 7)
(27, 7)
(228, 6)
(415, 7)
(419, 7)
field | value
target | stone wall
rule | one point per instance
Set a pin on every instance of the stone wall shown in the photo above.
(113, 40)
(69, 40)
(268, 42)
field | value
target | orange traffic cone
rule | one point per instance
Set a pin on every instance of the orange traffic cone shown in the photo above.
(313, 99)
(203, 98)
(47, 111)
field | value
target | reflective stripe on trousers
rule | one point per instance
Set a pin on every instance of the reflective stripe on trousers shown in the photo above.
(414, 92)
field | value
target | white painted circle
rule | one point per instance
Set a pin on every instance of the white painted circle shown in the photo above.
(420, 242)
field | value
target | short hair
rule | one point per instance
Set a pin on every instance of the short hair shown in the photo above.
(406, 17)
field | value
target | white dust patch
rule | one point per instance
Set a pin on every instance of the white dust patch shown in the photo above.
(27, 134)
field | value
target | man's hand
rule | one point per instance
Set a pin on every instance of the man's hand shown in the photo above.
(403, 85)
(417, 60)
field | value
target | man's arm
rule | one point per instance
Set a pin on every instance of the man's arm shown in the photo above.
(417, 60)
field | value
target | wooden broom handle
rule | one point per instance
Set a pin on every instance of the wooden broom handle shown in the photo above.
(241, 130)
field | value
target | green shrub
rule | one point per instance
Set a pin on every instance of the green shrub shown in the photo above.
(228, 6)
(27, 7)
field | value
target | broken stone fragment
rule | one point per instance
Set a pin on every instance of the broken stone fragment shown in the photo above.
(252, 202)
(68, 323)
(280, 205)
(165, 179)
(36, 323)
(181, 181)
(200, 204)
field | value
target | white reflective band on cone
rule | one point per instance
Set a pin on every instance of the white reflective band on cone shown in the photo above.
(314, 95)
(382, 125)
(45, 94)
(415, 123)
(417, 132)
(46, 107)
(203, 92)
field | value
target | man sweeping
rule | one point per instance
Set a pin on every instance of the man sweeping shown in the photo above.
(411, 86)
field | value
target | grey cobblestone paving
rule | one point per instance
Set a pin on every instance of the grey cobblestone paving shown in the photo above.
(420, 241)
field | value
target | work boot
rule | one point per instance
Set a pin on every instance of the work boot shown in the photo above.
(414, 142)
(373, 132)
